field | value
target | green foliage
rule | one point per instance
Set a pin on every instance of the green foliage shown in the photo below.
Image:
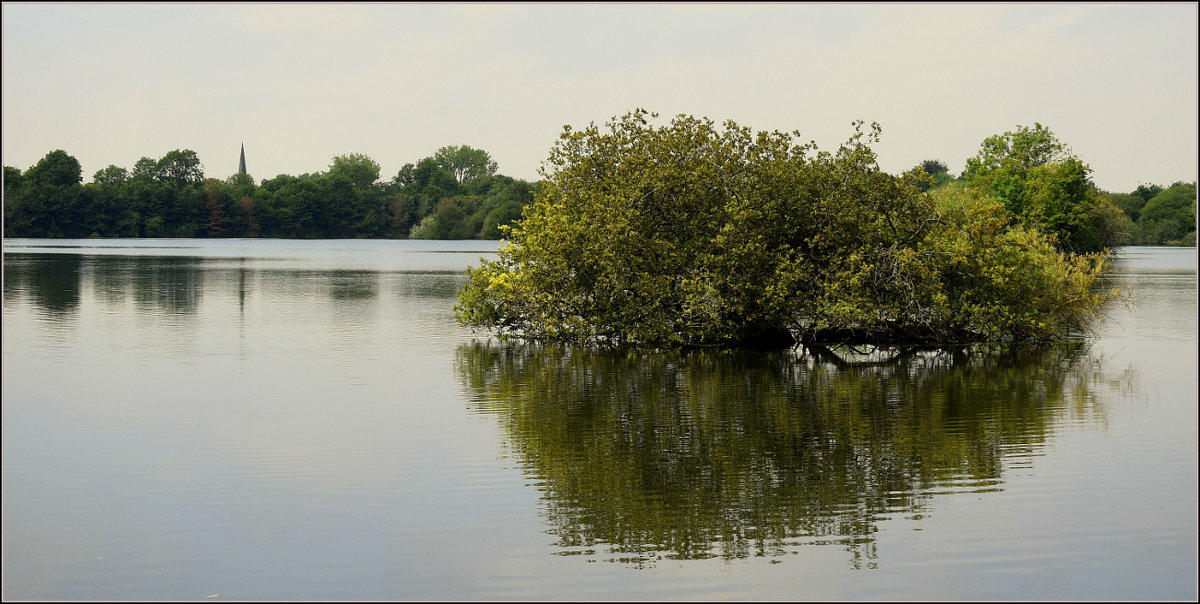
(934, 167)
(112, 176)
(504, 216)
(936, 172)
(361, 170)
(13, 178)
(1170, 220)
(1130, 204)
(482, 203)
(170, 197)
(56, 169)
(47, 200)
(1170, 216)
(448, 222)
(179, 168)
(144, 169)
(691, 235)
(1018, 151)
(465, 163)
(1000, 282)
(1147, 192)
(1045, 187)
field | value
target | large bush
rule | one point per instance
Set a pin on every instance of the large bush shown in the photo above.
(690, 234)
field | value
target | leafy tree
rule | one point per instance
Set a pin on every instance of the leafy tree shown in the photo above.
(170, 197)
(1005, 282)
(1129, 203)
(938, 173)
(144, 169)
(362, 171)
(448, 222)
(56, 169)
(338, 207)
(1170, 215)
(155, 227)
(274, 184)
(185, 211)
(214, 193)
(107, 201)
(934, 167)
(1147, 192)
(693, 235)
(241, 190)
(179, 168)
(1043, 186)
(13, 178)
(295, 206)
(112, 176)
(465, 163)
(47, 200)
(15, 222)
(503, 216)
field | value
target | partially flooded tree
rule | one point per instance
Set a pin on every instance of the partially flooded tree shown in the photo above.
(694, 235)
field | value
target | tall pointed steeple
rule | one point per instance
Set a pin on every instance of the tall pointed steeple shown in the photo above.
(242, 161)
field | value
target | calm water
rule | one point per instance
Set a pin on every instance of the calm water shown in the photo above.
(282, 420)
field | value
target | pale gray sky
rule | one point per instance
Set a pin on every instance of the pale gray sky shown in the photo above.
(302, 83)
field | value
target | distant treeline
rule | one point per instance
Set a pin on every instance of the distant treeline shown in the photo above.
(454, 194)
(1150, 214)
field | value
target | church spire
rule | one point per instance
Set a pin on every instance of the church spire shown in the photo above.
(242, 161)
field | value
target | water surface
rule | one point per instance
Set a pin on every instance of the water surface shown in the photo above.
(265, 420)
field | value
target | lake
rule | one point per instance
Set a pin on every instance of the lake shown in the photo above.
(303, 420)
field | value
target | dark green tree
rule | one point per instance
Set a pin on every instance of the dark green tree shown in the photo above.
(112, 176)
(504, 216)
(241, 191)
(47, 200)
(1129, 203)
(108, 200)
(1170, 216)
(13, 178)
(295, 207)
(1147, 192)
(938, 172)
(359, 169)
(56, 169)
(934, 167)
(179, 168)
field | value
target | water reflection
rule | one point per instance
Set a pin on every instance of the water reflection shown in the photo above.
(54, 282)
(51, 281)
(347, 285)
(176, 285)
(167, 284)
(647, 455)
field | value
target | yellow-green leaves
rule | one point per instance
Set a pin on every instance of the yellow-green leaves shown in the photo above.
(692, 234)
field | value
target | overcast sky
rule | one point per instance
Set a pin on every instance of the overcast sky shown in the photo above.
(301, 83)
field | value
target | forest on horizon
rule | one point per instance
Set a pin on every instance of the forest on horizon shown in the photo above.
(456, 193)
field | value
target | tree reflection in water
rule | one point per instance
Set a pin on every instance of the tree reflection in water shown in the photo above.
(720, 453)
